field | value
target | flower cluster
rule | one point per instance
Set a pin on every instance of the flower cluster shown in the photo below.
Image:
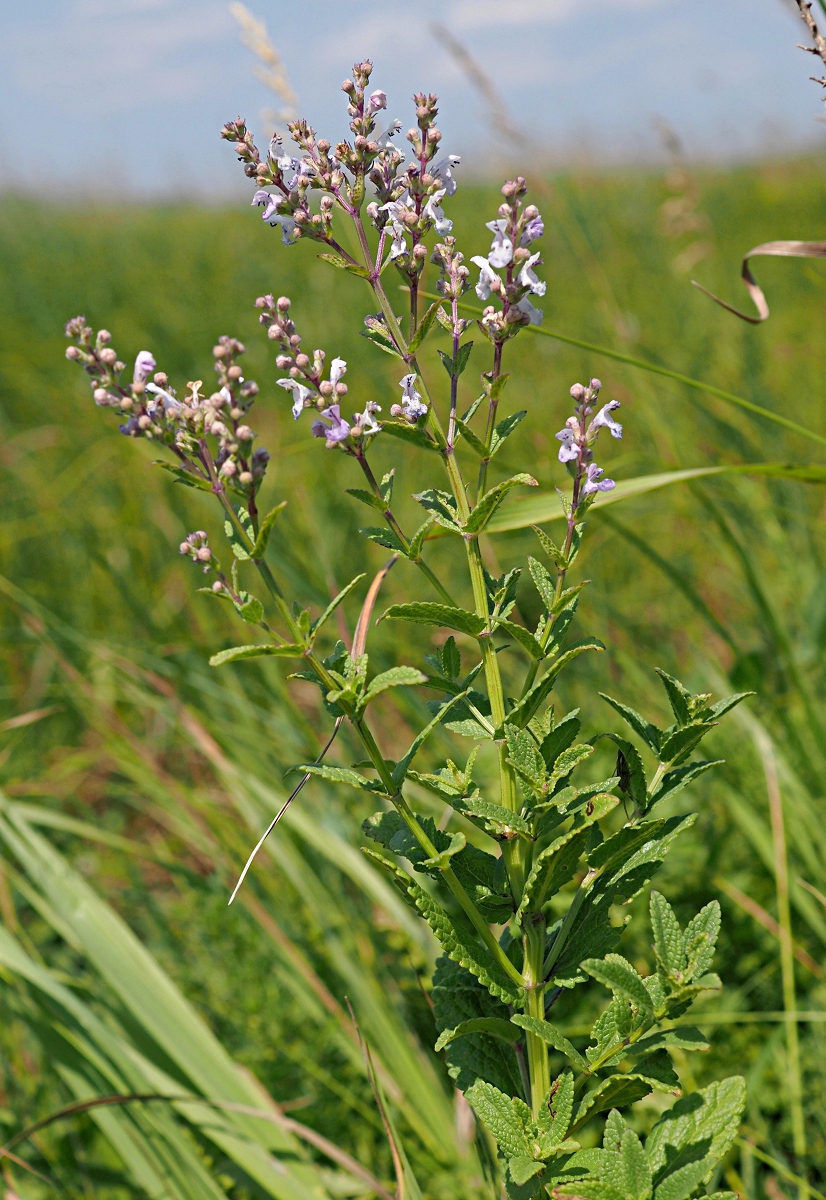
(196, 547)
(514, 230)
(305, 379)
(188, 423)
(579, 435)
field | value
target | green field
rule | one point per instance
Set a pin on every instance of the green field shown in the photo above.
(151, 774)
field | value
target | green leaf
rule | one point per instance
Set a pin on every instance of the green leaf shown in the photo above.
(265, 529)
(550, 547)
(504, 429)
(432, 613)
(238, 652)
(678, 697)
(395, 677)
(459, 997)
(523, 636)
(367, 498)
(455, 366)
(560, 737)
(674, 781)
(636, 1169)
(450, 658)
(412, 434)
(470, 437)
(630, 771)
(616, 973)
(252, 611)
(522, 712)
(686, 1037)
(344, 264)
(618, 1091)
(556, 863)
(679, 745)
(544, 584)
(554, 1037)
(649, 733)
(340, 775)
(401, 767)
(497, 1027)
(503, 822)
(723, 706)
(523, 1169)
(441, 861)
(507, 1120)
(680, 1184)
(707, 1120)
(334, 603)
(668, 937)
(383, 537)
(555, 1114)
(417, 540)
(424, 326)
(700, 939)
(187, 478)
(488, 504)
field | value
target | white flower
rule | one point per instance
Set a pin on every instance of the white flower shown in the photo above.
(300, 394)
(377, 100)
(272, 215)
(486, 277)
(384, 140)
(569, 450)
(527, 277)
(435, 213)
(501, 250)
(534, 314)
(144, 366)
(170, 404)
(338, 367)
(394, 209)
(443, 170)
(366, 419)
(603, 419)
(411, 400)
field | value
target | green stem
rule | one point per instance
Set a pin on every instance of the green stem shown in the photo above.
(538, 1067)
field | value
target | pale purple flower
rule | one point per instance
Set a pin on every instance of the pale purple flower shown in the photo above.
(486, 277)
(443, 171)
(300, 394)
(384, 140)
(527, 277)
(337, 431)
(272, 215)
(394, 210)
(434, 211)
(603, 419)
(367, 420)
(533, 314)
(501, 250)
(411, 400)
(338, 367)
(594, 481)
(533, 230)
(144, 366)
(377, 100)
(569, 450)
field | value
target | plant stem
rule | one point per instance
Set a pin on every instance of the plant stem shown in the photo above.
(491, 422)
(538, 1068)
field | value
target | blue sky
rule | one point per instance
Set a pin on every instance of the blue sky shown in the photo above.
(128, 95)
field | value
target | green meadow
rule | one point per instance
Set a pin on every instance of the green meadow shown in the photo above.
(134, 778)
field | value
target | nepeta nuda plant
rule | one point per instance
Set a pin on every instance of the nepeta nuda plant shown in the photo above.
(519, 886)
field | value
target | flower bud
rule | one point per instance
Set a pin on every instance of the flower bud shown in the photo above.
(72, 352)
(578, 392)
(348, 86)
(228, 469)
(341, 389)
(219, 351)
(302, 360)
(325, 387)
(372, 210)
(245, 477)
(234, 373)
(108, 357)
(596, 384)
(217, 586)
(144, 422)
(204, 554)
(283, 361)
(184, 548)
(244, 433)
(161, 378)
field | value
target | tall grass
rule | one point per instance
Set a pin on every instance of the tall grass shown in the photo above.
(145, 774)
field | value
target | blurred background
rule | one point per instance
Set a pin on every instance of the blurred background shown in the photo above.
(662, 140)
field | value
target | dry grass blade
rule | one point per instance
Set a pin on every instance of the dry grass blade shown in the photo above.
(771, 250)
(271, 72)
(767, 920)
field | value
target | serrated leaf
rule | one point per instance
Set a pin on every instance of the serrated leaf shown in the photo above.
(503, 820)
(680, 1184)
(367, 498)
(709, 1119)
(507, 1120)
(455, 366)
(412, 434)
(556, 863)
(649, 733)
(522, 712)
(523, 636)
(470, 729)
(252, 611)
(674, 781)
(344, 264)
(554, 1037)
(700, 938)
(187, 478)
(616, 973)
(424, 326)
(395, 677)
(679, 745)
(544, 584)
(383, 537)
(560, 738)
(239, 552)
(432, 613)
(630, 771)
(236, 653)
(488, 504)
(555, 1113)
(334, 603)
(618, 1091)
(686, 1037)
(265, 529)
(401, 767)
(450, 658)
(723, 706)
(550, 547)
(504, 429)
(523, 1169)
(417, 540)
(678, 697)
(497, 1027)
(340, 775)
(470, 437)
(668, 937)
(459, 997)
(441, 861)
(636, 1169)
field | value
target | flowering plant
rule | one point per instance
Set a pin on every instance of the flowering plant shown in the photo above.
(519, 885)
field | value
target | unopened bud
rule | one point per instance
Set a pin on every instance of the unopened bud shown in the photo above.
(219, 351)
(217, 586)
(204, 554)
(161, 378)
(184, 548)
(325, 387)
(578, 392)
(228, 469)
(283, 362)
(282, 303)
(341, 389)
(244, 433)
(302, 360)
(596, 384)
(108, 357)
(245, 477)
(234, 373)
(72, 352)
